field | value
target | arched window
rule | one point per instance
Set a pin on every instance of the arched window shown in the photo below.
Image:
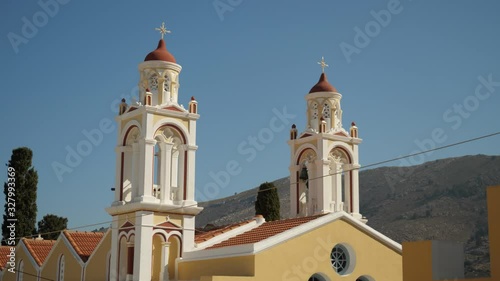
(20, 271)
(313, 118)
(317, 277)
(60, 270)
(365, 278)
(166, 83)
(327, 116)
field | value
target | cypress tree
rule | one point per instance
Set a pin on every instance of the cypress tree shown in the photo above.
(26, 180)
(268, 202)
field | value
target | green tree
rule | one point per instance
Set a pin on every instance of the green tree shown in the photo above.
(52, 225)
(23, 191)
(268, 202)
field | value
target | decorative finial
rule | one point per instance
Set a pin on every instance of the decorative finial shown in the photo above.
(162, 29)
(323, 64)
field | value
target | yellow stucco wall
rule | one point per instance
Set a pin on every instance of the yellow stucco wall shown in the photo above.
(72, 269)
(161, 218)
(300, 258)
(303, 256)
(29, 269)
(96, 267)
(417, 256)
(235, 266)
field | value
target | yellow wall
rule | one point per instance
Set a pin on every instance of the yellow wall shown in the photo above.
(303, 256)
(417, 256)
(96, 267)
(29, 268)
(243, 266)
(72, 269)
(160, 218)
(300, 258)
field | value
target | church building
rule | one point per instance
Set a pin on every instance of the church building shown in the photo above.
(153, 236)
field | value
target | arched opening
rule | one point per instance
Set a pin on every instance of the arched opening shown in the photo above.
(125, 257)
(20, 271)
(306, 190)
(156, 258)
(318, 277)
(327, 116)
(174, 253)
(341, 177)
(170, 168)
(313, 117)
(60, 269)
(365, 278)
(108, 266)
(130, 165)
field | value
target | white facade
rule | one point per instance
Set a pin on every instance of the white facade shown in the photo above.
(155, 171)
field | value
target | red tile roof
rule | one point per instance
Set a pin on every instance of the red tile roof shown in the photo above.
(264, 231)
(4, 251)
(207, 235)
(84, 243)
(39, 249)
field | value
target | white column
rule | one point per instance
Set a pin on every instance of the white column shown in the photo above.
(135, 169)
(127, 173)
(146, 166)
(188, 226)
(190, 177)
(180, 173)
(355, 191)
(143, 245)
(165, 167)
(294, 183)
(113, 274)
(164, 274)
(347, 187)
(338, 187)
(118, 175)
(325, 192)
(312, 182)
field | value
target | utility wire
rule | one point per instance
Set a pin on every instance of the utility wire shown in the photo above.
(332, 174)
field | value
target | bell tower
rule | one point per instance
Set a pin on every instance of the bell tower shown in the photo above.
(324, 157)
(154, 205)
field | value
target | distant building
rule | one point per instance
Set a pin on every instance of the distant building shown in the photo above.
(153, 235)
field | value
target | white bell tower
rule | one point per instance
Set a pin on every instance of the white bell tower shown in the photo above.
(324, 158)
(154, 205)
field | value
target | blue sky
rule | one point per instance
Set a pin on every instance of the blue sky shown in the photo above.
(409, 82)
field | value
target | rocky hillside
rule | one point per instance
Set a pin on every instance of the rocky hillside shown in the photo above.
(441, 200)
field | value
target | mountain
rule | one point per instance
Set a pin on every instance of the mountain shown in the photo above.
(439, 200)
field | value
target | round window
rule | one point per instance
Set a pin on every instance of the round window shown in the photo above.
(340, 259)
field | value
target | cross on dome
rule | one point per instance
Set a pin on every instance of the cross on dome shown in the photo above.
(163, 30)
(323, 64)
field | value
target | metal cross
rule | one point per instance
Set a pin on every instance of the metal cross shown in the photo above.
(162, 29)
(323, 64)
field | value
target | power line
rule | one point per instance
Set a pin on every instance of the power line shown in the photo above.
(332, 174)
(402, 157)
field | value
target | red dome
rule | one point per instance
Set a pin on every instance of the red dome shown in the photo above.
(323, 85)
(160, 53)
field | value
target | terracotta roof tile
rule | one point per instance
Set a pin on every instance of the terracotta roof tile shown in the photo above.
(205, 236)
(84, 243)
(4, 251)
(264, 231)
(39, 249)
